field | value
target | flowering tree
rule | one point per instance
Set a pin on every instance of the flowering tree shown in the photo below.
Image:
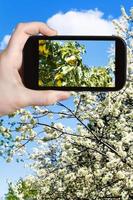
(93, 160)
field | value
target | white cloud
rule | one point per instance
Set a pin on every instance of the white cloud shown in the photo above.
(89, 22)
(4, 42)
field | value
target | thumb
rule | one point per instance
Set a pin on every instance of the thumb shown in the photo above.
(41, 98)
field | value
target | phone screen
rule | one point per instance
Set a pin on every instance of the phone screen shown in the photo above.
(76, 63)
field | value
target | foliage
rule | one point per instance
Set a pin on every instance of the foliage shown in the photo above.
(62, 65)
(11, 194)
(23, 190)
(93, 160)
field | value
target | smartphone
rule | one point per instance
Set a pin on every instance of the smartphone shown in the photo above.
(74, 63)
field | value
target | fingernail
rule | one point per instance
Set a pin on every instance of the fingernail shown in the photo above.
(53, 30)
(56, 32)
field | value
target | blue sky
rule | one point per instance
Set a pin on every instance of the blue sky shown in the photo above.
(14, 11)
(93, 48)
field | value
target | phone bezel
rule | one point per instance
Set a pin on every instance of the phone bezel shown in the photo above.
(31, 57)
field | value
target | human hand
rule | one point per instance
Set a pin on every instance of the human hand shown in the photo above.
(13, 94)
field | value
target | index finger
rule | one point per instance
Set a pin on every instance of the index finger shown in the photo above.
(24, 30)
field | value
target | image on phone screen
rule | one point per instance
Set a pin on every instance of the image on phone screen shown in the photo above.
(76, 63)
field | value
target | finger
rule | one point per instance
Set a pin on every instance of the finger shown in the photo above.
(24, 30)
(41, 98)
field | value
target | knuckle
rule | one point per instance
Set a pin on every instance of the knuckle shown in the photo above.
(42, 23)
(18, 101)
(46, 100)
(20, 25)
